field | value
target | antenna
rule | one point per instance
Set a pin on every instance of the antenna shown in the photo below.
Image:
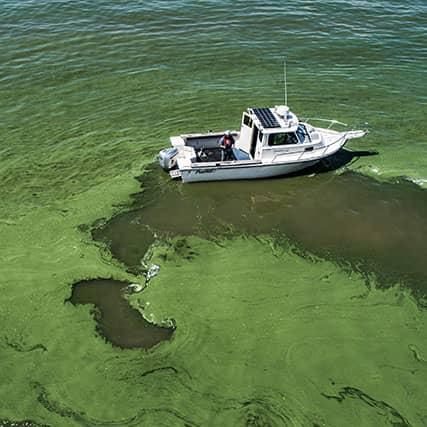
(285, 80)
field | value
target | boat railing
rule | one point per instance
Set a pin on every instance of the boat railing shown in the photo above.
(317, 119)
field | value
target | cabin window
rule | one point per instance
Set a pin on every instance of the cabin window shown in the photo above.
(282, 139)
(247, 120)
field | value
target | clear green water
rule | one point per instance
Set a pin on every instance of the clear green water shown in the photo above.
(266, 334)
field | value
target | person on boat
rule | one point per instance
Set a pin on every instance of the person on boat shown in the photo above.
(226, 144)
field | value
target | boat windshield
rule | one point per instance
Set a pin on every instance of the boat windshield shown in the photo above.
(303, 134)
(282, 139)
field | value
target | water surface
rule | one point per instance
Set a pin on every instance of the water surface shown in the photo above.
(90, 92)
(362, 224)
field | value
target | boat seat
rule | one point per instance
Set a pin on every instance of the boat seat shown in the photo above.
(240, 154)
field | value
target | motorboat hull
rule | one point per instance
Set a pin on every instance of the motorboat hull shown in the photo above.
(271, 142)
(239, 172)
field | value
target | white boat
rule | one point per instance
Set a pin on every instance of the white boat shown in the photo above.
(271, 142)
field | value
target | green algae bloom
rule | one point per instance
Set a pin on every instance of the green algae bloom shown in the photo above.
(294, 302)
(285, 340)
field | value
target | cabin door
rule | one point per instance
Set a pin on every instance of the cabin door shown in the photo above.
(255, 133)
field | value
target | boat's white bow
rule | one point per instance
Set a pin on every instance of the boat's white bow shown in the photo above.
(352, 134)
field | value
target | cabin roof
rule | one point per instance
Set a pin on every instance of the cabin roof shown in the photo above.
(266, 118)
(278, 118)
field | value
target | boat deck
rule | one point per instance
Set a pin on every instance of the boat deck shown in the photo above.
(216, 155)
(209, 155)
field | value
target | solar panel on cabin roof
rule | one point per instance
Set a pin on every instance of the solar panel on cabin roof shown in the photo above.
(266, 118)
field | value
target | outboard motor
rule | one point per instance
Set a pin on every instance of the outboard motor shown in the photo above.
(167, 158)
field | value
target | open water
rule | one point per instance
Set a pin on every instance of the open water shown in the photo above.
(298, 301)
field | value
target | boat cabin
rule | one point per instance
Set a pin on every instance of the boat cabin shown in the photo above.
(264, 133)
(264, 130)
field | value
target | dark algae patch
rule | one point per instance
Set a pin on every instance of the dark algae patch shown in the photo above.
(369, 226)
(117, 321)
